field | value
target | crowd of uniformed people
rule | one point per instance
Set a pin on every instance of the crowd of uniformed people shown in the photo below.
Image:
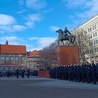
(17, 73)
(85, 72)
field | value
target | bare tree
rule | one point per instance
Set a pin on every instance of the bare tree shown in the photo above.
(83, 43)
(48, 55)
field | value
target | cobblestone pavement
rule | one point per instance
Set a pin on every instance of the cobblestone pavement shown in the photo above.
(35, 87)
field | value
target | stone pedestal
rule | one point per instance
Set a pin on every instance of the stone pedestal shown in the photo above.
(47, 74)
(67, 55)
(43, 73)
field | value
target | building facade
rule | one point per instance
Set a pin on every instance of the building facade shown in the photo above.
(90, 32)
(12, 56)
(33, 59)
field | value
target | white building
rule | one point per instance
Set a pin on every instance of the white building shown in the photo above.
(90, 31)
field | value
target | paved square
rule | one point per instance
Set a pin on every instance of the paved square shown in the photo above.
(35, 87)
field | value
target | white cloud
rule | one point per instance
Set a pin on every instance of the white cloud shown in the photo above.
(77, 3)
(6, 19)
(90, 6)
(36, 4)
(31, 19)
(85, 9)
(43, 41)
(12, 28)
(18, 27)
(91, 11)
(33, 38)
(54, 28)
(11, 39)
(31, 47)
(9, 24)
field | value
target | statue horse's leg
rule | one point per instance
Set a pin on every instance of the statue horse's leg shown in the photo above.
(69, 43)
(69, 40)
(58, 42)
(61, 42)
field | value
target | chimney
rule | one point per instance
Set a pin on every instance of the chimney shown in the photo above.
(6, 43)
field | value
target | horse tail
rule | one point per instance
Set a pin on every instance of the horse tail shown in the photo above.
(73, 39)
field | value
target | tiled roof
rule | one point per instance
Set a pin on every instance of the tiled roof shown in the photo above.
(33, 53)
(12, 49)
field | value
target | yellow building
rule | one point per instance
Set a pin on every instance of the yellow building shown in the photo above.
(90, 32)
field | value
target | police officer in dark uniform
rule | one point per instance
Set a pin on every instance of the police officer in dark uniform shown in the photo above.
(75, 73)
(65, 72)
(28, 73)
(17, 73)
(78, 73)
(97, 71)
(93, 72)
(22, 73)
(83, 76)
(88, 72)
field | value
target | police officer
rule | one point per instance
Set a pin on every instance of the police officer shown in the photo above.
(22, 73)
(17, 73)
(28, 73)
(93, 72)
(97, 71)
(88, 72)
(83, 76)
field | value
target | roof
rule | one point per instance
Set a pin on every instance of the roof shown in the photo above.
(33, 53)
(12, 49)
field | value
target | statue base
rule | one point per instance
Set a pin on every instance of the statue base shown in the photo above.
(67, 55)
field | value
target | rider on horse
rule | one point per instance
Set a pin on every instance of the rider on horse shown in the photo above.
(66, 32)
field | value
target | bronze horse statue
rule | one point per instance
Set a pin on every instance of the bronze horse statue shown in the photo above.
(71, 38)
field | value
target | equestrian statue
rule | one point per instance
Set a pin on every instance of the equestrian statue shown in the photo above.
(65, 36)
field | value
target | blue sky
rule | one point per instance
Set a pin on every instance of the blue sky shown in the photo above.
(33, 22)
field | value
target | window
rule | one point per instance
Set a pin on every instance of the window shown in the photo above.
(91, 36)
(90, 29)
(95, 33)
(23, 58)
(12, 58)
(7, 58)
(2, 58)
(16, 58)
(95, 49)
(94, 42)
(94, 27)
